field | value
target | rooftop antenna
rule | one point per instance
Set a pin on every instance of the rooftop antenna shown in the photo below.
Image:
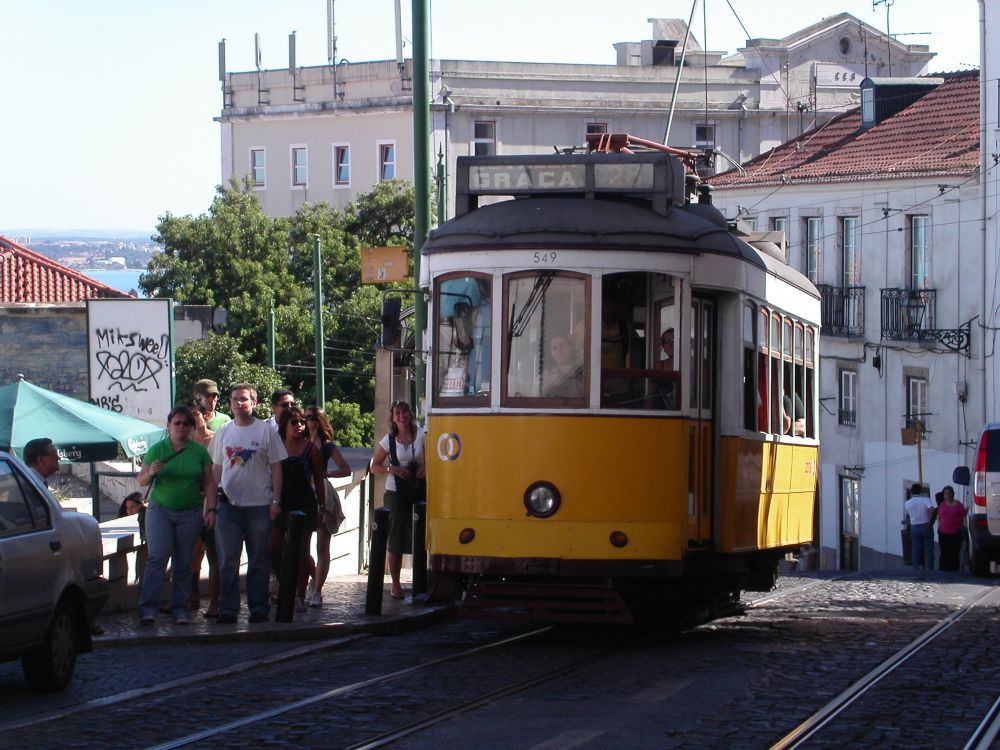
(226, 91)
(331, 47)
(399, 34)
(256, 50)
(888, 37)
(263, 95)
(298, 91)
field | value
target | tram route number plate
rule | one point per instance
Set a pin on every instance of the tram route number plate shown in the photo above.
(380, 265)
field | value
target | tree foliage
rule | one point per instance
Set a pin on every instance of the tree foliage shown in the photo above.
(238, 258)
(218, 357)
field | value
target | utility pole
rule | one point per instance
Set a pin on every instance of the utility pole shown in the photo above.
(421, 182)
(318, 324)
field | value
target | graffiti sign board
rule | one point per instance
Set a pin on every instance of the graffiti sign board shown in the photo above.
(130, 356)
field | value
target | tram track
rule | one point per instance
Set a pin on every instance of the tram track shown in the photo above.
(822, 720)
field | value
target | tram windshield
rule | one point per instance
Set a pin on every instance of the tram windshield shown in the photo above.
(462, 340)
(545, 350)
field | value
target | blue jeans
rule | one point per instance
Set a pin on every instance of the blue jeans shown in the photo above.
(170, 534)
(234, 526)
(922, 545)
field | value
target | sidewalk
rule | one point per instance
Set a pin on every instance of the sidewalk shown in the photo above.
(342, 613)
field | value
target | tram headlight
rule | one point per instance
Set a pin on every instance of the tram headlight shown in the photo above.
(542, 499)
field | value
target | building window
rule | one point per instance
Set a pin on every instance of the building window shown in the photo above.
(341, 165)
(386, 161)
(484, 138)
(920, 256)
(704, 134)
(867, 107)
(300, 166)
(847, 414)
(778, 224)
(813, 243)
(258, 167)
(597, 127)
(850, 252)
(916, 400)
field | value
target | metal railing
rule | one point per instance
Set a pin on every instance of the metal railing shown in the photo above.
(847, 418)
(907, 314)
(842, 310)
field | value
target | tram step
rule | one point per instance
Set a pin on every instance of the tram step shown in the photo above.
(544, 602)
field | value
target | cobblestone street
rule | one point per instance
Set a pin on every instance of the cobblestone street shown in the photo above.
(741, 682)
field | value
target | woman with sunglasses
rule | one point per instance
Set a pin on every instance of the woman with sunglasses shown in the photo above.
(181, 500)
(302, 489)
(321, 435)
(403, 447)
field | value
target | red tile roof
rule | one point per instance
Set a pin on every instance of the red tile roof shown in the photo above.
(936, 136)
(27, 276)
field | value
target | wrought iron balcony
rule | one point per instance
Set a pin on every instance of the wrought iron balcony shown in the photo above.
(847, 418)
(911, 315)
(842, 310)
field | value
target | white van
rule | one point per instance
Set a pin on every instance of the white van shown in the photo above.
(984, 513)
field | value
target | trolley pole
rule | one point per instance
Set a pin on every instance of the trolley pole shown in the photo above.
(421, 181)
(318, 325)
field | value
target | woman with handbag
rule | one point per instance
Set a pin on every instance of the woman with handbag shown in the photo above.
(181, 499)
(321, 435)
(302, 489)
(403, 447)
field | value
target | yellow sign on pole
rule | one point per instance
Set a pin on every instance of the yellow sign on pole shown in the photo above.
(380, 265)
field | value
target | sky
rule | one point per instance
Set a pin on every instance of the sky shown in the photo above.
(108, 105)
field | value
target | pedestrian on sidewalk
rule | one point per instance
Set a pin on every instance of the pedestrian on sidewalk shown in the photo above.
(404, 449)
(302, 489)
(321, 435)
(951, 523)
(921, 511)
(182, 498)
(281, 399)
(204, 548)
(41, 456)
(247, 455)
(206, 395)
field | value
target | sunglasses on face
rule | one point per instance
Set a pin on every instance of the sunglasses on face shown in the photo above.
(299, 422)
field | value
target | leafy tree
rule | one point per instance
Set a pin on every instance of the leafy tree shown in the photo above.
(384, 216)
(351, 426)
(218, 357)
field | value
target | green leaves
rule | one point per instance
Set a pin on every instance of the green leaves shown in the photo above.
(238, 258)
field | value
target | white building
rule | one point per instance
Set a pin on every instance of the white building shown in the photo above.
(327, 133)
(881, 208)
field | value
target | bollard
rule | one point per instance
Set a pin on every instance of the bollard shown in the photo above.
(376, 561)
(419, 549)
(288, 576)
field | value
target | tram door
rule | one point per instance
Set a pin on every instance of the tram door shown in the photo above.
(700, 433)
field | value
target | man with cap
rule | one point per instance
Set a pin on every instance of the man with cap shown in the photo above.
(206, 395)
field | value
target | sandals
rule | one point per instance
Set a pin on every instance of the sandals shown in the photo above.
(397, 595)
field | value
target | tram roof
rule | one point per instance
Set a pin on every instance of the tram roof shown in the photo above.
(582, 223)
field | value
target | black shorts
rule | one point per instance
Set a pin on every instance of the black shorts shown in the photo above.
(400, 523)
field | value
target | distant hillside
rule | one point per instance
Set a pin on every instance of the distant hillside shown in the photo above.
(97, 250)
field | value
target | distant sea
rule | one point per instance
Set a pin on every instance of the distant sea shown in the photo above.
(124, 281)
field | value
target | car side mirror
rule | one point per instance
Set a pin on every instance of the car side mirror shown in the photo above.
(391, 327)
(961, 476)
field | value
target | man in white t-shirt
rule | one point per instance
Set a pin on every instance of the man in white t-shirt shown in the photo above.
(246, 457)
(921, 510)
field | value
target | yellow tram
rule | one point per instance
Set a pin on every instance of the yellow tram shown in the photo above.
(621, 402)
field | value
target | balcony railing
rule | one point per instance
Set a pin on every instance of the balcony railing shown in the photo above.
(847, 418)
(907, 314)
(843, 310)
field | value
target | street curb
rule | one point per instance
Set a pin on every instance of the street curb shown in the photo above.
(243, 632)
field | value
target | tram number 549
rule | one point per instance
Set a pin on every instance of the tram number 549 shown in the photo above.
(544, 258)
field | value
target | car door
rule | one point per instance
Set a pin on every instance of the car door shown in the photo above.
(31, 564)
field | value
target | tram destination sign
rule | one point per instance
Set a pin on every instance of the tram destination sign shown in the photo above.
(380, 265)
(514, 179)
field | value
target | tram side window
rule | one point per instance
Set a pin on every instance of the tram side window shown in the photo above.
(545, 342)
(462, 343)
(812, 422)
(749, 367)
(763, 401)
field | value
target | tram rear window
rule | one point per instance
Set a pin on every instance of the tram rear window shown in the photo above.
(462, 338)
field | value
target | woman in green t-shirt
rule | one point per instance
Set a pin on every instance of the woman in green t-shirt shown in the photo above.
(181, 501)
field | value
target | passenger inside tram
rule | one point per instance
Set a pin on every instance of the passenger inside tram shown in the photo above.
(565, 377)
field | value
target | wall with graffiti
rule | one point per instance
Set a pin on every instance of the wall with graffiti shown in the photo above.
(130, 356)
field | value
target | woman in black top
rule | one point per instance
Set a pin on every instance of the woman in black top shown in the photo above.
(302, 489)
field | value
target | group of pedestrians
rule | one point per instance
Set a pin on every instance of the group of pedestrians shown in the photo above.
(217, 484)
(921, 514)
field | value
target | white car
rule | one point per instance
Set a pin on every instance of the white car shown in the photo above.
(51, 582)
